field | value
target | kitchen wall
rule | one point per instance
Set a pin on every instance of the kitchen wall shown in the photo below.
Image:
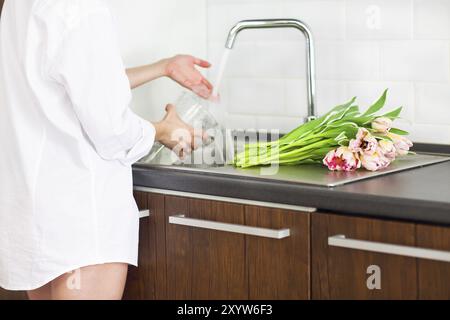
(154, 29)
(362, 47)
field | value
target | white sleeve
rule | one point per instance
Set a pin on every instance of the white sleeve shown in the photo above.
(89, 66)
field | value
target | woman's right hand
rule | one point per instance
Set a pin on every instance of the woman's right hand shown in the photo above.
(177, 135)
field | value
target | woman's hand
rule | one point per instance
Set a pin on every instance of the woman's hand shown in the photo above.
(175, 134)
(182, 69)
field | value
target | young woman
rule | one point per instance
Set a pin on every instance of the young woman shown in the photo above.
(68, 220)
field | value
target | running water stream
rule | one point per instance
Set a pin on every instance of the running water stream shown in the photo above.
(220, 73)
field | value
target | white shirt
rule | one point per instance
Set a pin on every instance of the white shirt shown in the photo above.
(67, 142)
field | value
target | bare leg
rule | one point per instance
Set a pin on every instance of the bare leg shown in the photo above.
(43, 293)
(99, 282)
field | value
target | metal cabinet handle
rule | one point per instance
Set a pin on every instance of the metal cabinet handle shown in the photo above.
(399, 250)
(233, 228)
(144, 214)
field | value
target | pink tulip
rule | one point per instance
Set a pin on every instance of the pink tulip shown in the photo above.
(382, 125)
(375, 161)
(387, 148)
(401, 144)
(342, 159)
(364, 142)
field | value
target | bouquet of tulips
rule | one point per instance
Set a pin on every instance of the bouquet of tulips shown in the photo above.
(344, 139)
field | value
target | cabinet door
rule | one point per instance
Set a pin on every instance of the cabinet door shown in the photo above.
(279, 268)
(341, 272)
(434, 276)
(142, 281)
(204, 263)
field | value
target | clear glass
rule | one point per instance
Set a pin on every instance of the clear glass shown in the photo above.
(195, 111)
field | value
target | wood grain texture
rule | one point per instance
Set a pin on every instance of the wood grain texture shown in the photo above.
(279, 269)
(205, 264)
(218, 257)
(156, 204)
(178, 251)
(339, 273)
(434, 276)
(141, 280)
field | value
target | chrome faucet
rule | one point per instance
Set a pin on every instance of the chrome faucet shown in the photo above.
(310, 56)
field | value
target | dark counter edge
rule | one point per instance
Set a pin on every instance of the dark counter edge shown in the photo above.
(432, 148)
(324, 199)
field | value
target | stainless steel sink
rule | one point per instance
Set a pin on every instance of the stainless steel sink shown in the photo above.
(313, 174)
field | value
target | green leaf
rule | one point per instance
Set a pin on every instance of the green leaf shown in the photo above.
(378, 105)
(343, 124)
(399, 132)
(342, 114)
(341, 136)
(307, 128)
(393, 115)
(360, 120)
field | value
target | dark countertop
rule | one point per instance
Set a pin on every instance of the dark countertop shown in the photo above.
(419, 195)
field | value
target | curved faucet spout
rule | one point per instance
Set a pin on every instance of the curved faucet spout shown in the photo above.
(310, 54)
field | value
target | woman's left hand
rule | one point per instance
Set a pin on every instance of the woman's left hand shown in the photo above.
(181, 69)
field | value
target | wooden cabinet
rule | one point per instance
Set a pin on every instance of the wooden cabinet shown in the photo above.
(144, 282)
(433, 276)
(206, 263)
(342, 273)
(194, 248)
(360, 258)
(202, 263)
(279, 269)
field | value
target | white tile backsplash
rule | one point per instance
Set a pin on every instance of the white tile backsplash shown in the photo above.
(315, 13)
(433, 103)
(150, 30)
(332, 93)
(379, 19)
(422, 60)
(430, 133)
(240, 122)
(432, 19)
(222, 15)
(256, 96)
(348, 60)
(296, 98)
(362, 47)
